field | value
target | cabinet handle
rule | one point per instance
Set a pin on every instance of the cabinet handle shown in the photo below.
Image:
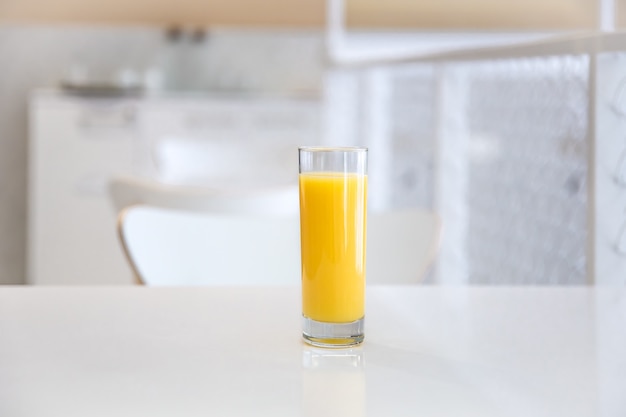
(108, 117)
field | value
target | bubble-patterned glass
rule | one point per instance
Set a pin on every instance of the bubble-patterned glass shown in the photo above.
(526, 196)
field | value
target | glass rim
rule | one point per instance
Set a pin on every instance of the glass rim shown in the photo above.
(333, 148)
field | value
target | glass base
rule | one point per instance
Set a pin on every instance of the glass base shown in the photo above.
(332, 335)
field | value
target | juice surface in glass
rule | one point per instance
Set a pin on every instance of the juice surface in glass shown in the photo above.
(332, 226)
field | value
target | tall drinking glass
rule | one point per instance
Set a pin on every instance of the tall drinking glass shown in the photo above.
(333, 218)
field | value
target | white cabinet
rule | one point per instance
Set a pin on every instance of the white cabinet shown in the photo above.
(75, 145)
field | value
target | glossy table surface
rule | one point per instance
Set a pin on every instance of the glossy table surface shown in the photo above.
(237, 351)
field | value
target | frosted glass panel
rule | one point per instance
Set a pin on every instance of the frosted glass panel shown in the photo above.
(525, 200)
(412, 138)
(391, 111)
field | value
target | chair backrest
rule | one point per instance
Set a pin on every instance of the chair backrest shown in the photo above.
(279, 199)
(173, 247)
(401, 245)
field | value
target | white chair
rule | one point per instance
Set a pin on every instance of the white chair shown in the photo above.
(173, 247)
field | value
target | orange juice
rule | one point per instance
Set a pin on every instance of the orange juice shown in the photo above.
(333, 228)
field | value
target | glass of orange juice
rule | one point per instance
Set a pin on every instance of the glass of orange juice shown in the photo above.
(333, 218)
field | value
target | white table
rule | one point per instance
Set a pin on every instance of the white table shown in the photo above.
(429, 351)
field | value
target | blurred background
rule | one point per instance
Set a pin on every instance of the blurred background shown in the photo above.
(495, 114)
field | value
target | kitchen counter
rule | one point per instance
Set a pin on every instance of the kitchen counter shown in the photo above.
(435, 351)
